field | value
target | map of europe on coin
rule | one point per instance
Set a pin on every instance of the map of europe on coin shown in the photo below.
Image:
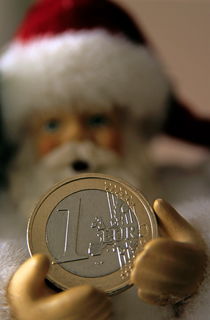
(91, 227)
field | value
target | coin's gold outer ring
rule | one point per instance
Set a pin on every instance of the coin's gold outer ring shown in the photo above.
(36, 232)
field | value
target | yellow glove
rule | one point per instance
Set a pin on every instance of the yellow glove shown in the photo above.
(170, 268)
(30, 298)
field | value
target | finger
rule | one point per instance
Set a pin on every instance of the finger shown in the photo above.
(68, 303)
(102, 311)
(105, 316)
(96, 310)
(105, 313)
(172, 259)
(170, 266)
(28, 281)
(165, 269)
(174, 225)
(157, 298)
(172, 250)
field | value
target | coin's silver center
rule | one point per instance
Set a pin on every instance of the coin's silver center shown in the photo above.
(92, 233)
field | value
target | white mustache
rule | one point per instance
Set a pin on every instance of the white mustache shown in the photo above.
(36, 178)
(66, 154)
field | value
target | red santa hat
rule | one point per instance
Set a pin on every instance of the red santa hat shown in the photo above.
(82, 54)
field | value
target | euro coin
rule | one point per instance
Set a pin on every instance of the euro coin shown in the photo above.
(91, 227)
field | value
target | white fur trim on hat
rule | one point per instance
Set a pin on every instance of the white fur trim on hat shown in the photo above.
(83, 69)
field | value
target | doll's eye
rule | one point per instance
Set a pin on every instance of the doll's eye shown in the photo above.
(98, 120)
(52, 125)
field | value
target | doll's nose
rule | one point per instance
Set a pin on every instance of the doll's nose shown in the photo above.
(80, 165)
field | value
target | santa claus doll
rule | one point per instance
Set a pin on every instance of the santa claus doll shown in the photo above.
(75, 83)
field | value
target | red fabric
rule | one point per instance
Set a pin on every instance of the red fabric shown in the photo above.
(52, 17)
(181, 123)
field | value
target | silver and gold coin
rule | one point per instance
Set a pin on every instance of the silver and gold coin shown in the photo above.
(91, 227)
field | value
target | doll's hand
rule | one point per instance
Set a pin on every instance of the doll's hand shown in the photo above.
(170, 268)
(30, 298)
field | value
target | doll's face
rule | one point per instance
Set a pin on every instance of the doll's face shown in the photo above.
(54, 128)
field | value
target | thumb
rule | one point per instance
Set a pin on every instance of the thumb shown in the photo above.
(172, 224)
(28, 281)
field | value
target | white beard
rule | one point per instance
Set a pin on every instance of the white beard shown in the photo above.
(30, 178)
